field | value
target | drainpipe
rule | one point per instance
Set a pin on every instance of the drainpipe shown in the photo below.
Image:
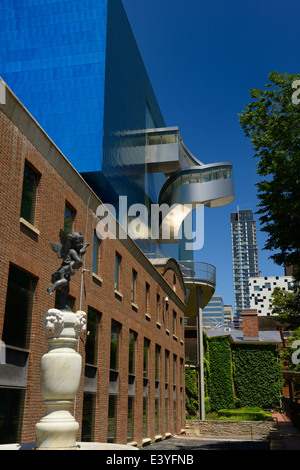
(200, 355)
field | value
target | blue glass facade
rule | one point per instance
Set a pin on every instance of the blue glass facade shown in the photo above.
(76, 67)
(213, 313)
(53, 58)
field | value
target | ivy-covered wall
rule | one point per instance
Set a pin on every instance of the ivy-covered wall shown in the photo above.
(257, 375)
(191, 392)
(219, 387)
(241, 374)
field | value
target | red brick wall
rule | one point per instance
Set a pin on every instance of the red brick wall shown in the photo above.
(250, 324)
(30, 250)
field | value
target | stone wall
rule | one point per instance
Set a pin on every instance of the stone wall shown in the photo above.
(228, 428)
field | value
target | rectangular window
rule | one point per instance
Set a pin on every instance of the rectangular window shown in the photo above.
(69, 218)
(29, 194)
(167, 372)
(88, 417)
(157, 389)
(115, 345)
(112, 418)
(167, 316)
(18, 308)
(147, 307)
(91, 345)
(157, 362)
(146, 358)
(96, 254)
(130, 419)
(157, 415)
(157, 308)
(131, 385)
(132, 352)
(145, 416)
(174, 369)
(167, 411)
(174, 323)
(146, 387)
(133, 286)
(175, 391)
(118, 259)
(11, 414)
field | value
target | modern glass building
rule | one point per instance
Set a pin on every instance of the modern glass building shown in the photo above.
(244, 257)
(213, 313)
(76, 67)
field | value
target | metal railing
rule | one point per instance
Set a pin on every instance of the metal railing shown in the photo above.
(195, 174)
(274, 419)
(194, 271)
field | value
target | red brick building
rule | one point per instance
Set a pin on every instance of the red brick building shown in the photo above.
(132, 384)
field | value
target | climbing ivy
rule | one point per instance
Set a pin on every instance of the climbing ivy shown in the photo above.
(257, 375)
(219, 379)
(191, 392)
(238, 375)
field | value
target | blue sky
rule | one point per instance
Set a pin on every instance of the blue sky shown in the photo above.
(202, 57)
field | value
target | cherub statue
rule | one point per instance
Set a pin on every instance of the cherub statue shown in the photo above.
(71, 249)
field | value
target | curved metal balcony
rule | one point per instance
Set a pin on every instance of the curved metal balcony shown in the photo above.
(210, 185)
(197, 275)
(198, 272)
(190, 183)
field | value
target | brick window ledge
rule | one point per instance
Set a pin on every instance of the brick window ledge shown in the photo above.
(29, 226)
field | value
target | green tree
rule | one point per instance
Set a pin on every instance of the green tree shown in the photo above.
(272, 122)
(286, 304)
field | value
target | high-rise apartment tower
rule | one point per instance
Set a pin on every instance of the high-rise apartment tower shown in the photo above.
(244, 257)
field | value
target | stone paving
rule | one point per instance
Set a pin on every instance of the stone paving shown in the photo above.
(191, 443)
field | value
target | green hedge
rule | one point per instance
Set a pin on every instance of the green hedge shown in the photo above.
(219, 387)
(245, 414)
(257, 375)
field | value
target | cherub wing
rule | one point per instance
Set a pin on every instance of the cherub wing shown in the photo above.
(65, 243)
(62, 248)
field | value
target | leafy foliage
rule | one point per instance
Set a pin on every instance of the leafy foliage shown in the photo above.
(272, 122)
(286, 304)
(245, 414)
(257, 375)
(191, 392)
(220, 385)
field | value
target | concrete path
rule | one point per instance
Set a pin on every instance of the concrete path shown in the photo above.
(289, 435)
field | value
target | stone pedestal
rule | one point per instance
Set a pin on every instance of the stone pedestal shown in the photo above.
(60, 372)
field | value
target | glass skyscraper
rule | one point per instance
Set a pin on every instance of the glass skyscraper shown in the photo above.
(76, 67)
(244, 257)
(213, 313)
